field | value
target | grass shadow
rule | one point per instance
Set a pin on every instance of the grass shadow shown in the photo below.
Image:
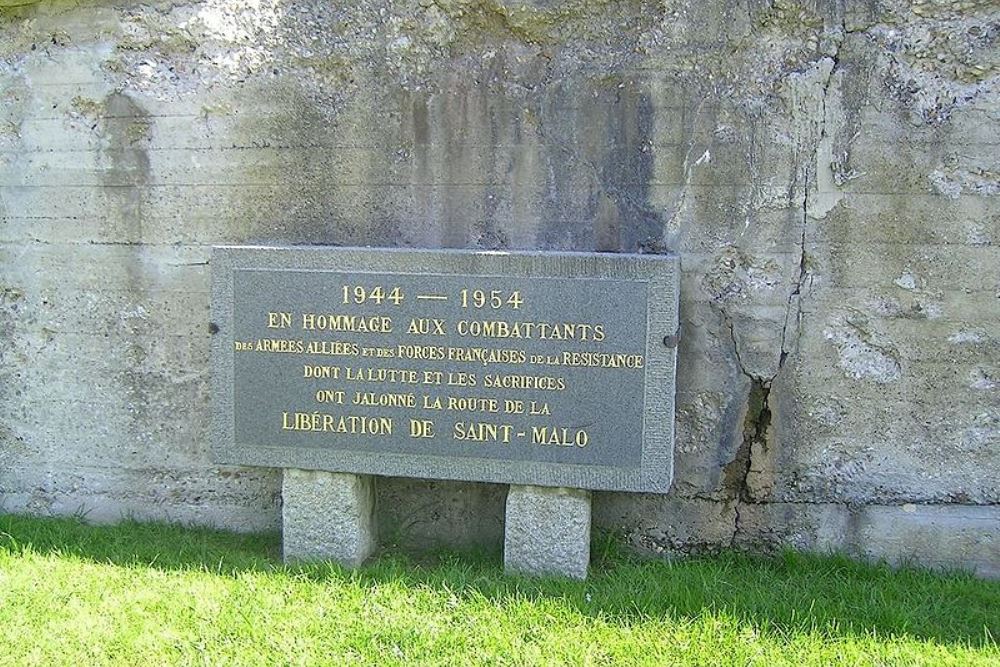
(792, 593)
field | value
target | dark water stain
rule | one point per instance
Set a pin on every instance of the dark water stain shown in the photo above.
(125, 130)
(627, 170)
(598, 143)
(328, 179)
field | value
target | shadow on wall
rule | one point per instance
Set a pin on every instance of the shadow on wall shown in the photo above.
(794, 593)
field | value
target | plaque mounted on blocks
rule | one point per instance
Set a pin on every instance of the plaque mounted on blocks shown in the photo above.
(546, 369)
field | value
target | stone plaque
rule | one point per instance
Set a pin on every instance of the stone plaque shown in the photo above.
(550, 369)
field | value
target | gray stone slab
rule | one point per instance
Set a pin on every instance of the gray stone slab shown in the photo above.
(547, 531)
(523, 368)
(327, 516)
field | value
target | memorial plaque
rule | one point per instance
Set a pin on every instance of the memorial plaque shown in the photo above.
(551, 369)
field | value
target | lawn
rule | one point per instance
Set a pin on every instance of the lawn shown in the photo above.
(151, 594)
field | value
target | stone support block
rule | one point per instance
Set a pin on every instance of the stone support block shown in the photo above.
(547, 531)
(327, 516)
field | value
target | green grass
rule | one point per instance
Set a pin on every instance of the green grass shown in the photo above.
(151, 594)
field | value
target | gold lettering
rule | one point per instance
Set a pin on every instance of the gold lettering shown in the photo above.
(513, 407)
(426, 326)
(473, 404)
(348, 323)
(482, 432)
(321, 422)
(279, 346)
(420, 352)
(539, 408)
(461, 380)
(385, 400)
(421, 428)
(560, 437)
(486, 355)
(332, 348)
(391, 375)
(329, 396)
(279, 320)
(321, 372)
(580, 331)
(597, 360)
(542, 382)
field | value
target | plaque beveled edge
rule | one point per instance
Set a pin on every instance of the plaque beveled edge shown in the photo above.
(661, 272)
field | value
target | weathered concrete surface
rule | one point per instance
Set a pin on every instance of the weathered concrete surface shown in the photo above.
(327, 516)
(941, 536)
(547, 531)
(827, 172)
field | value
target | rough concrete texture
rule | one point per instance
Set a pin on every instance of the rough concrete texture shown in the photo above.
(827, 172)
(327, 516)
(938, 536)
(547, 531)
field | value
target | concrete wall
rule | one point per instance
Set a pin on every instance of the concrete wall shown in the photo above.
(828, 172)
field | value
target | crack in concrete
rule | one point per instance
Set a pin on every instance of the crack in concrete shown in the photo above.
(756, 423)
(736, 474)
(736, 346)
(757, 420)
(794, 301)
(795, 296)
